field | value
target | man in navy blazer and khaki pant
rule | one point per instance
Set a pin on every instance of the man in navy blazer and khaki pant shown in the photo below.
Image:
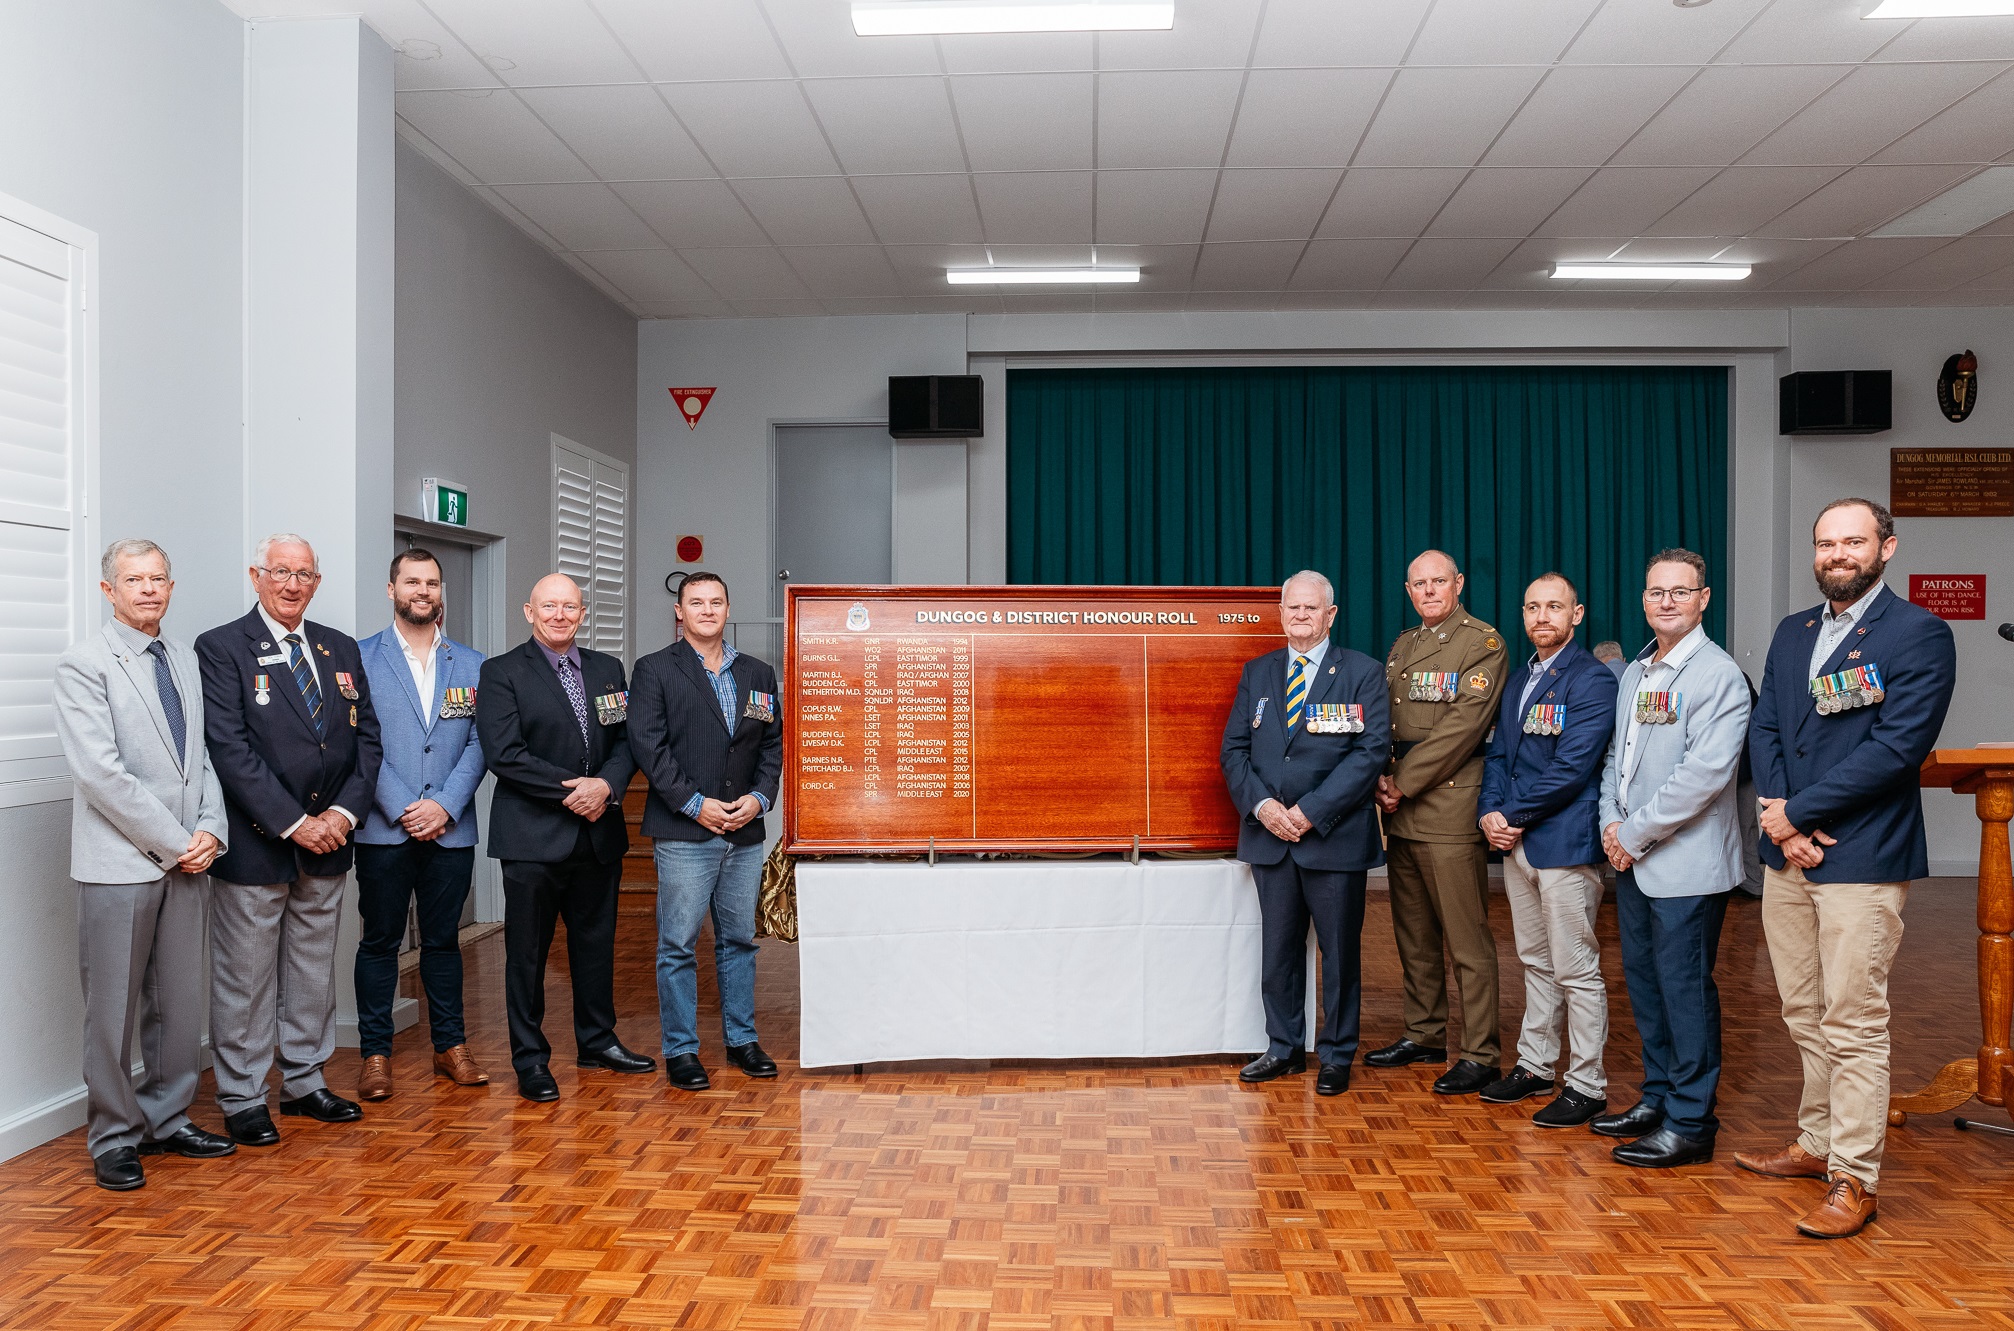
(1852, 700)
(1540, 805)
(1307, 736)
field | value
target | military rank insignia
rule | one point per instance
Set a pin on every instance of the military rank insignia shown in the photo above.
(1657, 709)
(458, 704)
(1843, 692)
(612, 709)
(346, 684)
(1336, 718)
(1545, 718)
(1434, 685)
(761, 707)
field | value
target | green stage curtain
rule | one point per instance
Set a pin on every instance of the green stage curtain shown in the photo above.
(1227, 476)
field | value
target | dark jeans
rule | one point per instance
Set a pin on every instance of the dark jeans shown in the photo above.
(582, 891)
(1289, 897)
(388, 879)
(1669, 947)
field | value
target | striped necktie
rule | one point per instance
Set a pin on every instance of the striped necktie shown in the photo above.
(304, 678)
(171, 699)
(1297, 693)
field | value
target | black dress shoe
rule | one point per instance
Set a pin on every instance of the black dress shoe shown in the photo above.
(191, 1141)
(616, 1059)
(119, 1169)
(1664, 1149)
(252, 1127)
(750, 1059)
(1266, 1067)
(324, 1106)
(1570, 1109)
(537, 1084)
(1639, 1120)
(1466, 1077)
(684, 1071)
(1519, 1085)
(1334, 1079)
(1401, 1052)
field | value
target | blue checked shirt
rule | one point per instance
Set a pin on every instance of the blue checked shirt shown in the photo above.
(727, 694)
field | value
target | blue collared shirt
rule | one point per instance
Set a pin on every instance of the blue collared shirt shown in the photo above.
(727, 693)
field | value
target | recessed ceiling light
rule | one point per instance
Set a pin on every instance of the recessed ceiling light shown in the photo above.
(1654, 272)
(1940, 9)
(886, 18)
(1964, 208)
(981, 277)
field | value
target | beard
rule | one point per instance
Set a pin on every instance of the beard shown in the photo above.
(1847, 585)
(417, 618)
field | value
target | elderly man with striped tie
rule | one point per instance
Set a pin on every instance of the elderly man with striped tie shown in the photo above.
(295, 743)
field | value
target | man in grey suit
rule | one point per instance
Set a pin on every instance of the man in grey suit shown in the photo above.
(1671, 829)
(147, 820)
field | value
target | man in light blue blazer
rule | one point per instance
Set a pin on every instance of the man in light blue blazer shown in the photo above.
(1671, 828)
(418, 842)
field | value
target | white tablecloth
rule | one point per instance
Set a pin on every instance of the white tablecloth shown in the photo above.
(1027, 959)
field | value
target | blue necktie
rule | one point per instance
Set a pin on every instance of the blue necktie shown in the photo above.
(305, 679)
(577, 696)
(1297, 693)
(171, 700)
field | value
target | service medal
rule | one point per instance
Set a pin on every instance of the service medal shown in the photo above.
(262, 686)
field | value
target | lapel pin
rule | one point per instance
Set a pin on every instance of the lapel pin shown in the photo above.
(1809, 622)
(1332, 670)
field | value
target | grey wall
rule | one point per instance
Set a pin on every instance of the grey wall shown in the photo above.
(124, 116)
(499, 347)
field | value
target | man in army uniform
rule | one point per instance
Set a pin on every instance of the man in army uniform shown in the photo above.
(1444, 678)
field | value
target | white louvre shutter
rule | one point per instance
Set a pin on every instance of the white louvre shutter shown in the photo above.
(591, 540)
(40, 456)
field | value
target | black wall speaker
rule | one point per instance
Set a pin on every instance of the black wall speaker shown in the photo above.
(1834, 402)
(936, 406)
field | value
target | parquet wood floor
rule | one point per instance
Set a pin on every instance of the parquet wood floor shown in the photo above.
(1029, 1196)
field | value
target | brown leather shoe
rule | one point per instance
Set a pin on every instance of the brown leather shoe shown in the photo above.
(1845, 1211)
(376, 1083)
(1793, 1161)
(457, 1065)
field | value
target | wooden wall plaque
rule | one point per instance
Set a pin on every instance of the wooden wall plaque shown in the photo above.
(1013, 718)
(1951, 482)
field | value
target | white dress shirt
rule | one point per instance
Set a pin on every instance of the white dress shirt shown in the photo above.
(422, 667)
(1313, 656)
(1832, 629)
(1656, 679)
(280, 632)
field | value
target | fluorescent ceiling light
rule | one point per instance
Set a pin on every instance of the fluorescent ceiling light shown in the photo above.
(886, 18)
(982, 277)
(1964, 208)
(1940, 9)
(1654, 272)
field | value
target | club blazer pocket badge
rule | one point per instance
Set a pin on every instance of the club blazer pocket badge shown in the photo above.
(612, 709)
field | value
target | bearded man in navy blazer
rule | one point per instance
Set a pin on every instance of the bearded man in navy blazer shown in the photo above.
(287, 711)
(1541, 806)
(1307, 737)
(1852, 699)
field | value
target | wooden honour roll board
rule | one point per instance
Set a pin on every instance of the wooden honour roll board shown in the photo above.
(1013, 718)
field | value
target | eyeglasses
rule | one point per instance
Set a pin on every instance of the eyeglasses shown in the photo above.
(1675, 595)
(283, 576)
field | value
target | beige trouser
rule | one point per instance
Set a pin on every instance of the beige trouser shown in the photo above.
(1832, 945)
(1552, 919)
(1441, 896)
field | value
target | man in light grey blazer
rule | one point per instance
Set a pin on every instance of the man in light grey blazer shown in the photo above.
(1671, 828)
(147, 820)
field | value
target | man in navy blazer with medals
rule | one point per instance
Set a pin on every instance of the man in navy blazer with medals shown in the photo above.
(1303, 747)
(1541, 804)
(554, 718)
(287, 710)
(707, 730)
(1853, 697)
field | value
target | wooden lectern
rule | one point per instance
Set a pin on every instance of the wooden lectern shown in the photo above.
(1988, 776)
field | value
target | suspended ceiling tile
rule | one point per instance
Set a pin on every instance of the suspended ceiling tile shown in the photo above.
(1853, 265)
(581, 216)
(693, 213)
(1304, 33)
(1810, 32)
(779, 308)
(806, 210)
(1214, 34)
(887, 125)
(622, 131)
(1435, 264)
(1957, 264)
(1953, 39)
(1271, 203)
(492, 134)
(650, 276)
(1491, 32)
(1389, 201)
(1025, 122)
(1444, 117)
(697, 39)
(1305, 117)
(1555, 127)
(747, 274)
(1723, 113)
(1157, 118)
(1036, 207)
(1861, 200)
(1630, 32)
(1975, 129)
(1348, 265)
(753, 129)
(530, 42)
(860, 271)
(1246, 265)
(916, 210)
(1507, 201)
(1018, 52)
(819, 40)
(1623, 201)
(1865, 112)
(1153, 207)
(1742, 198)
(426, 53)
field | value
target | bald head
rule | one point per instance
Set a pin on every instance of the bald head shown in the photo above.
(554, 611)
(1434, 584)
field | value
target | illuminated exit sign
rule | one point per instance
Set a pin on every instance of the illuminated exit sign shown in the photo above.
(444, 502)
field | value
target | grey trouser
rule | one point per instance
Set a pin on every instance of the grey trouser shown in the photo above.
(1552, 918)
(140, 956)
(272, 983)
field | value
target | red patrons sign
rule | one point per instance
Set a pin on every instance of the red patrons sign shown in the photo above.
(1950, 595)
(692, 404)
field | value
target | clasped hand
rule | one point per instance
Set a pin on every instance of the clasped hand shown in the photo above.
(587, 796)
(1806, 852)
(202, 852)
(322, 833)
(721, 817)
(1611, 846)
(1284, 823)
(1498, 831)
(1388, 794)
